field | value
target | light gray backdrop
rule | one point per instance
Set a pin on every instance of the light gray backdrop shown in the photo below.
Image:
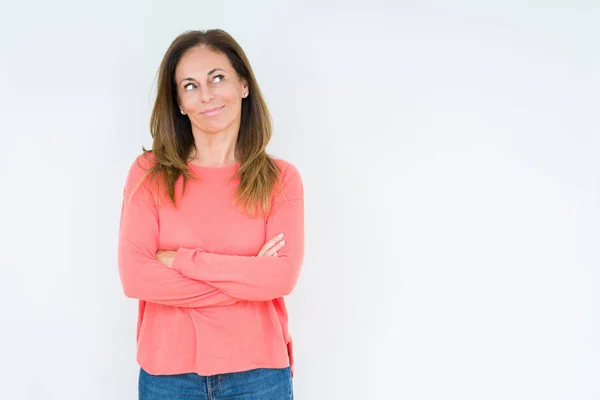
(449, 152)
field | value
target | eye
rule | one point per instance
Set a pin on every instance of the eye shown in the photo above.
(219, 76)
(187, 85)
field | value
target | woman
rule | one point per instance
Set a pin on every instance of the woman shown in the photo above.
(211, 233)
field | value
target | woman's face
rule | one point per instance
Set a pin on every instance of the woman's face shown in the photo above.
(209, 90)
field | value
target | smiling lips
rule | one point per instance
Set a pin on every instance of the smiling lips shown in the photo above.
(212, 111)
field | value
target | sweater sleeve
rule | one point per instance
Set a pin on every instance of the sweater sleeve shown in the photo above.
(257, 278)
(142, 276)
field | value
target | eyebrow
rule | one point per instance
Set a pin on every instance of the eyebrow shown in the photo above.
(209, 72)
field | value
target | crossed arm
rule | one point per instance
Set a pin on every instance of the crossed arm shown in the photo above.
(201, 279)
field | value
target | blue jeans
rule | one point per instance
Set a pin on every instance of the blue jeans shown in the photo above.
(255, 384)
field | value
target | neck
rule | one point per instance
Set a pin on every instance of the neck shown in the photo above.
(215, 149)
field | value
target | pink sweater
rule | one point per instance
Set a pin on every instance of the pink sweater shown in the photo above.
(220, 308)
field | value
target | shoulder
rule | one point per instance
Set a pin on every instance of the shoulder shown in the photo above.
(290, 179)
(138, 170)
(287, 168)
(142, 163)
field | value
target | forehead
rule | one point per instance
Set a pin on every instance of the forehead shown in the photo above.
(198, 61)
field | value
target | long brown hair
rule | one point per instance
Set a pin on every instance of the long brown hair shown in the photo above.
(172, 132)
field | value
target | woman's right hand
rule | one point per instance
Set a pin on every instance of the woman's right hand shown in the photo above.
(272, 246)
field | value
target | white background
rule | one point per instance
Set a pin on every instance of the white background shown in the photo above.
(450, 157)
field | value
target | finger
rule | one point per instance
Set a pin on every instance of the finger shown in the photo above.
(267, 246)
(274, 241)
(263, 251)
(275, 248)
(272, 250)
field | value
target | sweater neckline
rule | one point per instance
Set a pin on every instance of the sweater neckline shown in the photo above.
(214, 170)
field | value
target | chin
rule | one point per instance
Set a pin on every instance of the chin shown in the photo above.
(216, 128)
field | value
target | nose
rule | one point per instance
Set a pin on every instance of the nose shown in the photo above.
(207, 94)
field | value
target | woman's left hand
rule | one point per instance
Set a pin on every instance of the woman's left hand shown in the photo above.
(166, 257)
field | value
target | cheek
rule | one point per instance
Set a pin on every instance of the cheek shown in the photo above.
(188, 100)
(230, 97)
